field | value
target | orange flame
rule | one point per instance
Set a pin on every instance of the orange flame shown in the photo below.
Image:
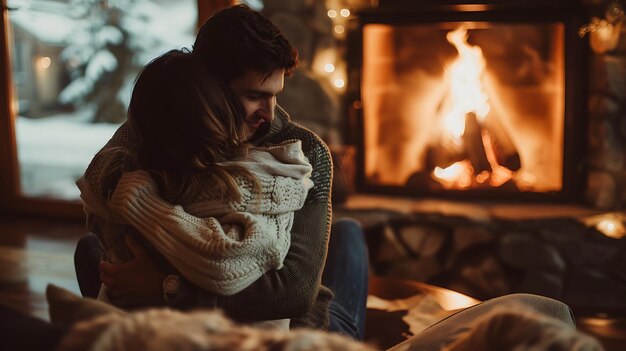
(468, 96)
(465, 86)
(456, 176)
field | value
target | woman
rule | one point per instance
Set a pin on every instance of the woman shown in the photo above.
(190, 150)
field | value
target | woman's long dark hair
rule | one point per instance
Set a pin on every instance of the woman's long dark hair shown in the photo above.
(184, 122)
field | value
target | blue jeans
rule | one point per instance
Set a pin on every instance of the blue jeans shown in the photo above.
(345, 273)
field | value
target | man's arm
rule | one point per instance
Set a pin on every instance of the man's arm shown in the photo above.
(290, 291)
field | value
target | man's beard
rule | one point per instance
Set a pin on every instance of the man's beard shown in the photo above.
(262, 130)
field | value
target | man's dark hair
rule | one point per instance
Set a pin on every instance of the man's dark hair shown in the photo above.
(238, 39)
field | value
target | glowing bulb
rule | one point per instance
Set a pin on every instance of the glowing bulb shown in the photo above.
(44, 62)
(611, 228)
(329, 67)
(339, 29)
(339, 83)
(332, 13)
(344, 12)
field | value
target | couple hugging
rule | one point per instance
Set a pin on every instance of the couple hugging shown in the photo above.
(209, 196)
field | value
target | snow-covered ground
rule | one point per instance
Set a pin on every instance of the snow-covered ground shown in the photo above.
(54, 152)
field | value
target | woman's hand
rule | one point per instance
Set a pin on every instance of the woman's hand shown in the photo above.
(136, 283)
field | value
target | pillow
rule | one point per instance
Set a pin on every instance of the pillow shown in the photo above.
(67, 308)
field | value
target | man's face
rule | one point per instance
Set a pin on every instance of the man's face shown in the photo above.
(258, 96)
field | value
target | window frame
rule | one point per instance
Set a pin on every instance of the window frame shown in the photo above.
(11, 198)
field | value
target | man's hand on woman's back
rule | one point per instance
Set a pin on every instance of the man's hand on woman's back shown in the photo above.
(136, 283)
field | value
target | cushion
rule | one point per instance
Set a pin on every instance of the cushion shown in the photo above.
(67, 308)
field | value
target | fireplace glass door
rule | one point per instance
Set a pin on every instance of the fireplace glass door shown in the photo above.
(463, 106)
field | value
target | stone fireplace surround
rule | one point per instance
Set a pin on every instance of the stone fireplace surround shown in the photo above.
(603, 153)
(489, 249)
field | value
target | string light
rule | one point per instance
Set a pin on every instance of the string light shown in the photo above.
(329, 67)
(339, 29)
(339, 83)
(332, 13)
(44, 62)
(344, 12)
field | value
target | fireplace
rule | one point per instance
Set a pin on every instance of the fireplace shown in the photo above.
(469, 100)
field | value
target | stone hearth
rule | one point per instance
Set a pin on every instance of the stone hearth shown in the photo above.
(490, 250)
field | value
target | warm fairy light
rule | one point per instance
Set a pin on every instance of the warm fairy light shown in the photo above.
(44, 62)
(604, 34)
(329, 67)
(612, 227)
(339, 29)
(332, 13)
(344, 12)
(609, 224)
(339, 83)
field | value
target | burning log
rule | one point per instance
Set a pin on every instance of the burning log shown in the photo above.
(501, 144)
(443, 154)
(421, 179)
(474, 147)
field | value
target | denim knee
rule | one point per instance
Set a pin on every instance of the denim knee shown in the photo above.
(347, 225)
(347, 229)
(86, 260)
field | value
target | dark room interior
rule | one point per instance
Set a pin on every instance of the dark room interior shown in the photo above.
(481, 145)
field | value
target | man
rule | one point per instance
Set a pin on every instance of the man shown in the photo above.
(251, 57)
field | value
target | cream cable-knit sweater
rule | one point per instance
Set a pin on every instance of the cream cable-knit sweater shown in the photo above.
(233, 243)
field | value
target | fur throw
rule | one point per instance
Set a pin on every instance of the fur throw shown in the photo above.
(165, 329)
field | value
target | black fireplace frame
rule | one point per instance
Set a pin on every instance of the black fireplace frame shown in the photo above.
(570, 13)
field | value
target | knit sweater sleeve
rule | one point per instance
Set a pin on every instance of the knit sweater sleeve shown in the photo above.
(291, 291)
(123, 138)
(221, 254)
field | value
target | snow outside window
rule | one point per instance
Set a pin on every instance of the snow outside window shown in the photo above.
(74, 63)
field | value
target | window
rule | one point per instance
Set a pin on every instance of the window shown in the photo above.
(72, 68)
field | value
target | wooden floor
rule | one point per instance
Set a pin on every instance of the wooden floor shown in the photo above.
(35, 252)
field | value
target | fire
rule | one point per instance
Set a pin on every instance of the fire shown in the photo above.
(468, 97)
(458, 175)
(465, 86)
(499, 174)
